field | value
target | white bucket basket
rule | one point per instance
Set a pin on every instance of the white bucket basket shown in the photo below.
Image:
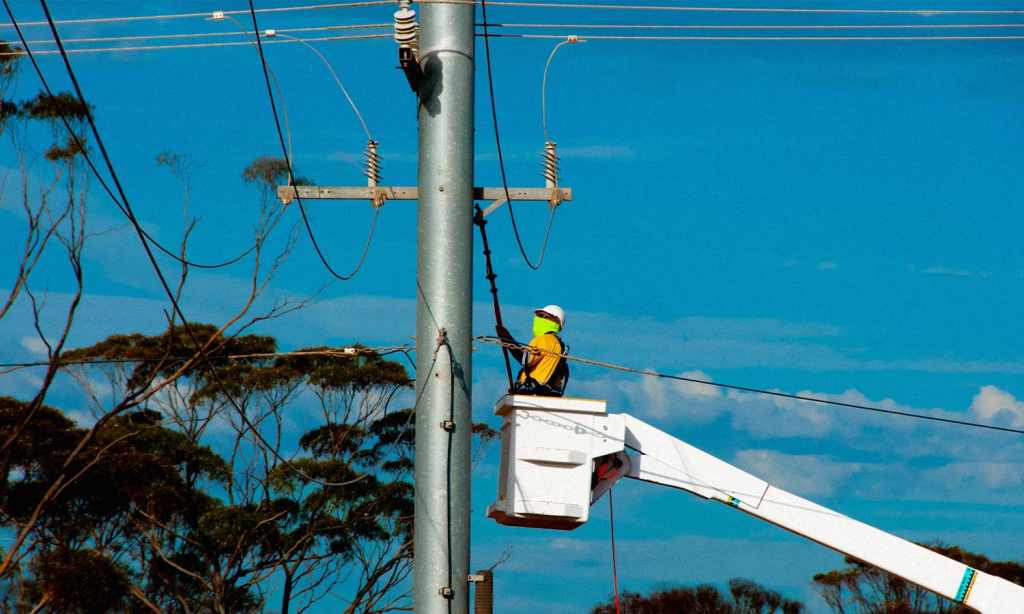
(548, 447)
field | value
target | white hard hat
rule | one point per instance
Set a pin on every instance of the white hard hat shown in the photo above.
(556, 311)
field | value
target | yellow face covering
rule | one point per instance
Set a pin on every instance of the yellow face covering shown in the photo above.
(543, 325)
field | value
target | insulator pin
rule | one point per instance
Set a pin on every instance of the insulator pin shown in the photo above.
(406, 28)
(550, 164)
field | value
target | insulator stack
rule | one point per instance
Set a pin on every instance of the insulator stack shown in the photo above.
(406, 28)
(371, 168)
(550, 165)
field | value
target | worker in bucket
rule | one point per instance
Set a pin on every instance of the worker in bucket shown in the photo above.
(545, 370)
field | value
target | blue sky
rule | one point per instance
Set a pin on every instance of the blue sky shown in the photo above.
(838, 219)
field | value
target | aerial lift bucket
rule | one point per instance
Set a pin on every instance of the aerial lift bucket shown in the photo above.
(560, 455)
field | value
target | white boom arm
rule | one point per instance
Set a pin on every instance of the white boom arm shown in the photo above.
(560, 455)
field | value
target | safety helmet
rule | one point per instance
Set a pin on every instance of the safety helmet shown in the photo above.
(554, 310)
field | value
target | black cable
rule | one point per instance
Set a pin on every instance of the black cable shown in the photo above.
(448, 466)
(291, 175)
(773, 393)
(85, 154)
(501, 158)
(130, 214)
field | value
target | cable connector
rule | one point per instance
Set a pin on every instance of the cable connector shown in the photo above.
(217, 15)
(269, 33)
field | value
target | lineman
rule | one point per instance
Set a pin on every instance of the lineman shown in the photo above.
(545, 371)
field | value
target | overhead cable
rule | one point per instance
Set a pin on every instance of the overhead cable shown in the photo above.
(921, 12)
(348, 352)
(501, 158)
(167, 16)
(99, 177)
(672, 26)
(130, 214)
(750, 389)
(283, 41)
(288, 163)
(334, 75)
(188, 35)
(626, 37)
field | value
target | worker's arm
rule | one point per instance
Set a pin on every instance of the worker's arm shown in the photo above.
(515, 348)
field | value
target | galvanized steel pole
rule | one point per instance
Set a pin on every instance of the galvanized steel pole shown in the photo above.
(444, 309)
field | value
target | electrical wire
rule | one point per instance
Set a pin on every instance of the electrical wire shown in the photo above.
(636, 26)
(95, 171)
(244, 32)
(129, 213)
(750, 389)
(501, 158)
(921, 12)
(337, 80)
(608, 37)
(164, 17)
(273, 77)
(339, 353)
(615, 562)
(544, 83)
(291, 176)
(80, 50)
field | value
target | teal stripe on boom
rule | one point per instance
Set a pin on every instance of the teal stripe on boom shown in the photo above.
(965, 585)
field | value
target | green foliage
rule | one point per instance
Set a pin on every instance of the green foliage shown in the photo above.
(745, 597)
(80, 582)
(52, 108)
(269, 172)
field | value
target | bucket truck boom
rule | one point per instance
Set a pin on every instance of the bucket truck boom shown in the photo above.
(560, 455)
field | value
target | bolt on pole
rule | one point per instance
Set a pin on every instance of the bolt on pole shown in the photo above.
(444, 309)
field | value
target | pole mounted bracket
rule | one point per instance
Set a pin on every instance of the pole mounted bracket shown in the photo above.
(410, 65)
(377, 195)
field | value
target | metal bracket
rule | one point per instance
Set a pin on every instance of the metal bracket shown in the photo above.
(411, 67)
(377, 195)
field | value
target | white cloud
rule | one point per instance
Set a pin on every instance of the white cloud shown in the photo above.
(803, 474)
(998, 407)
(34, 345)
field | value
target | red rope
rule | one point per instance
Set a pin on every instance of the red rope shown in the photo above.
(615, 571)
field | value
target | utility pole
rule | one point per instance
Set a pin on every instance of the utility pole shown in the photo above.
(444, 317)
(438, 62)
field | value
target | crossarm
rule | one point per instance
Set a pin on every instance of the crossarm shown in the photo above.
(663, 459)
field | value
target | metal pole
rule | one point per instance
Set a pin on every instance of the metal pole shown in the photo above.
(444, 309)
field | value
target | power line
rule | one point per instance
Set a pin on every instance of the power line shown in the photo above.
(129, 213)
(921, 12)
(79, 50)
(750, 389)
(636, 26)
(626, 37)
(288, 163)
(501, 158)
(243, 32)
(167, 16)
(349, 352)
